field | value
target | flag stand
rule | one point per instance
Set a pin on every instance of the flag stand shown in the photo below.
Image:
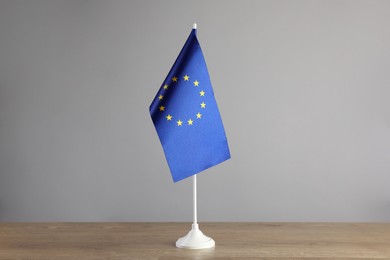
(195, 239)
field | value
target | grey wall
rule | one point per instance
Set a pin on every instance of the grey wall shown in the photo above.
(302, 86)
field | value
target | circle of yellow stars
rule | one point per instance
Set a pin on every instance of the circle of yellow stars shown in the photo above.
(169, 117)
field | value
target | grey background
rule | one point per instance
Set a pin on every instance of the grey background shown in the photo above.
(302, 86)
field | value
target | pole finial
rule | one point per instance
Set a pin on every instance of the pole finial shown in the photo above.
(194, 26)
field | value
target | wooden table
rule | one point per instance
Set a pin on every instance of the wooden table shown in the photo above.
(157, 241)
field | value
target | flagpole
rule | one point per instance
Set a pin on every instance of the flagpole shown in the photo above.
(195, 239)
(194, 195)
(195, 201)
(195, 210)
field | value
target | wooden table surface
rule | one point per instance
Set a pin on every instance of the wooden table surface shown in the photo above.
(157, 241)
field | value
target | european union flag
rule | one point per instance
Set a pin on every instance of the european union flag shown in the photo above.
(186, 115)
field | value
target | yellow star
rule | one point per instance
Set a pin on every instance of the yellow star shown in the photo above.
(202, 93)
(186, 77)
(199, 115)
(162, 108)
(196, 83)
(160, 97)
(169, 117)
(190, 122)
(203, 105)
(174, 79)
(166, 86)
(179, 123)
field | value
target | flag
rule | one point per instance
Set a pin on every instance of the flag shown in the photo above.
(186, 116)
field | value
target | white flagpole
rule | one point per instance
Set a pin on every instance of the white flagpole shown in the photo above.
(194, 201)
(194, 26)
(195, 239)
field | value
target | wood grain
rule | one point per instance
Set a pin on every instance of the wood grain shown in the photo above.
(157, 241)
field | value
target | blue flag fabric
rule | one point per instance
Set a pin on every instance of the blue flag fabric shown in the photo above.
(186, 116)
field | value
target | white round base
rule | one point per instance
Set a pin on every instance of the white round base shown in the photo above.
(195, 239)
